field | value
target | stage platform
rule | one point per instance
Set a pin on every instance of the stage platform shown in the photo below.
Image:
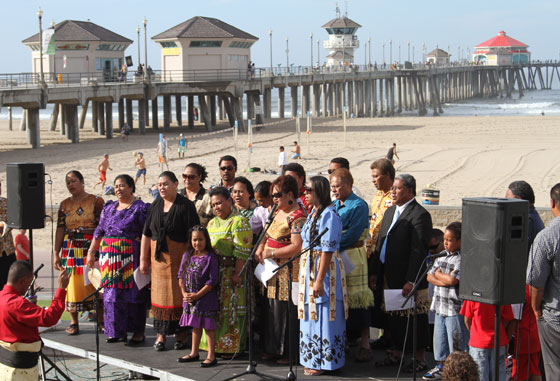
(164, 365)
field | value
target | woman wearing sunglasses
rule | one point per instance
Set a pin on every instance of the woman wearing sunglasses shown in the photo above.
(322, 301)
(193, 177)
(282, 242)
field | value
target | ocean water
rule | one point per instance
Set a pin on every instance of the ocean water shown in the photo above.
(533, 102)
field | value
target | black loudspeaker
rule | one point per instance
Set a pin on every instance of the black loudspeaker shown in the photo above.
(494, 250)
(26, 195)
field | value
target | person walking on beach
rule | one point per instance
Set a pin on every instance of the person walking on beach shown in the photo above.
(141, 164)
(392, 152)
(296, 151)
(125, 131)
(102, 169)
(181, 146)
(282, 159)
(162, 152)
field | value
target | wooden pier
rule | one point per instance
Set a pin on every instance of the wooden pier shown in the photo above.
(362, 92)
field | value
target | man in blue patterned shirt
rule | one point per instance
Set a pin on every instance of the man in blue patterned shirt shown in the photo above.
(543, 275)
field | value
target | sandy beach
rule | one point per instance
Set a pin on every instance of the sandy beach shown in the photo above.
(460, 156)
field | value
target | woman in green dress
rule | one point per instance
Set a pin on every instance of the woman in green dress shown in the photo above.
(231, 238)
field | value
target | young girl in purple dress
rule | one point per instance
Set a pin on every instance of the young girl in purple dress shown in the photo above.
(198, 278)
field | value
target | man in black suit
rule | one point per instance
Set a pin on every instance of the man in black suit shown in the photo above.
(399, 254)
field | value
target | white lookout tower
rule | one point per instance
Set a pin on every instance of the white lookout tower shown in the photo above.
(342, 39)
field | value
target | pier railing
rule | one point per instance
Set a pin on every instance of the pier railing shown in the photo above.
(33, 80)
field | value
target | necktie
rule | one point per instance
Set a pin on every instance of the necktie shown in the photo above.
(384, 247)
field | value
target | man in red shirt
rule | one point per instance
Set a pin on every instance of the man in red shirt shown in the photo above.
(22, 246)
(20, 320)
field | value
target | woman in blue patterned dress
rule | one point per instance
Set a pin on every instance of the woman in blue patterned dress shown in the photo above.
(322, 301)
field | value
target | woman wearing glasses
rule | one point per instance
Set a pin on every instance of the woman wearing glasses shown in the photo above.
(282, 242)
(164, 240)
(193, 177)
(322, 301)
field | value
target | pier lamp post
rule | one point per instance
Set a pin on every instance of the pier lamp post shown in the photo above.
(383, 53)
(145, 22)
(412, 53)
(318, 52)
(311, 50)
(459, 53)
(408, 51)
(138, 32)
(399, 53)
(287, 56)
(42, 73)
(390, 52)
(369, 57)
(423, 53)
(54, 60)
(270, 34)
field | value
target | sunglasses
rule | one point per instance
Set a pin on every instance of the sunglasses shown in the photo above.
(329, 171)
(277, 195)
(308, 189)
(228, 168)
(190, 177)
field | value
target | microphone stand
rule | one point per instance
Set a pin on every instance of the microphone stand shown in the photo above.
(289, 264)
(415, 316)
(42, 357)
(251, 368)
(95, 294)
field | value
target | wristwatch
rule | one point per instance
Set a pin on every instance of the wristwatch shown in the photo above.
(272, 254)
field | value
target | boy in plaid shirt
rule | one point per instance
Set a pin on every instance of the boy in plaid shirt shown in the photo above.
(450, 332)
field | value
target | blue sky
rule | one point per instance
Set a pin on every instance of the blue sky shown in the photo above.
(446, 23)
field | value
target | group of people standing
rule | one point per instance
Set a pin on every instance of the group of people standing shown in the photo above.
(193, 242)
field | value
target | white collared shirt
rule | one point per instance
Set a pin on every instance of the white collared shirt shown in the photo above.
(403, 206)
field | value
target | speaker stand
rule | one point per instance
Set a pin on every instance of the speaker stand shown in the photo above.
(497, 349)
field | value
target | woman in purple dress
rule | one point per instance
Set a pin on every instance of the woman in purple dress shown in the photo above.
(198, 278)
(118, 239)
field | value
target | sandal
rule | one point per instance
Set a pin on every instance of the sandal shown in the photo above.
(389, 360)
(363, 355)
(73, 329)
(313, 372)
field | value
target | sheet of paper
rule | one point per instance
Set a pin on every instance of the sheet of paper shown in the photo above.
(265, 272)
(517, 310)
(347, 262)
(142, 280)
(394, 300)
(295, 292)
(86, 278)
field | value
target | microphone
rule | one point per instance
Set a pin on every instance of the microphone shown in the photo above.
(271, 215)
(434, 256)
(38, 269)
(316, 239)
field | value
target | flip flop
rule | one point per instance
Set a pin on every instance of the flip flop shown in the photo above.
(313, 372)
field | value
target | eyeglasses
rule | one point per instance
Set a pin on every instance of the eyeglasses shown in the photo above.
(190, 177)
(277, 195)
(308, 189)
(228, 168)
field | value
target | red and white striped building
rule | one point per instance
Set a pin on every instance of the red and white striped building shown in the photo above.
(501, 50)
